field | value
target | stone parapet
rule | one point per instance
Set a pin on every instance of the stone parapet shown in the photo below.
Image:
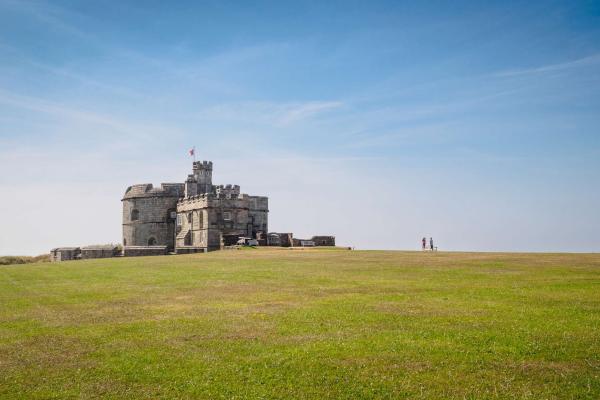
(148, 190)
(136, 251)
(99, 252)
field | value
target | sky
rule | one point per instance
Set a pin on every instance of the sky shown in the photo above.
(475, 123)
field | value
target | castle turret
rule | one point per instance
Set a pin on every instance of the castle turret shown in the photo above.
(149, 214)
(200, 181)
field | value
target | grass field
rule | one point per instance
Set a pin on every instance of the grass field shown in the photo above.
(303, 324)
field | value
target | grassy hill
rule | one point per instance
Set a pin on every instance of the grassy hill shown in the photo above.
(303, 324)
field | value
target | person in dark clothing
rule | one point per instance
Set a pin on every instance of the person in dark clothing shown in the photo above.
(431, 243)
(424, 241)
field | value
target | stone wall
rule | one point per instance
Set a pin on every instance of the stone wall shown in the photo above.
(149, 215)
(303, 242)
(207, 216)
(136, 251)
(98, 252)
(213, 220)
(65, 254)
(258, 212)
(323, 240)
(283, 239)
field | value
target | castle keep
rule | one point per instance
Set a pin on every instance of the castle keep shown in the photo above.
(195, 216)
(190, 217)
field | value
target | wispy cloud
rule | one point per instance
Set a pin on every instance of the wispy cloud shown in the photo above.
(50, 15)
(56, 109)
(295, 113)
(73, 76)
(66, 113)
(271, 113)
(589, 60)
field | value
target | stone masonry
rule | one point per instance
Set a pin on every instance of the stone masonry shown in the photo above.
(149, 214)
(192, 216)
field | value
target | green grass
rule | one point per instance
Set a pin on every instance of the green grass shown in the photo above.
(306, 324)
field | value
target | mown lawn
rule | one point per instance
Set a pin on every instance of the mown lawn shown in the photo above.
(307, 324)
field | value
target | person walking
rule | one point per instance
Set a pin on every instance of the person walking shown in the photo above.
(431, 243)
(424, 241)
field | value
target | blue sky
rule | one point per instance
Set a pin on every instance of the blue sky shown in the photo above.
(476, 123)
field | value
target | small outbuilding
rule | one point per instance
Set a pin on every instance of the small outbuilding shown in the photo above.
(99, 251)
(65, 254)
(323, 240)
(273, 239)
(280, 239)
(303, 243)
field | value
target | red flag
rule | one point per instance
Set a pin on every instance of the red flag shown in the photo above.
(192, 151)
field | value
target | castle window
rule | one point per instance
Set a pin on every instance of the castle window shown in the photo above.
(178, 219)
(135, 215)
(227, 216)
(151, 241)
(171, 214)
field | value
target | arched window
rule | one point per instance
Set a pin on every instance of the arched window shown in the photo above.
(135, 214)
(151, 241)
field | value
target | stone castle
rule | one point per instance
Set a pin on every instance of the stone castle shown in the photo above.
(191, 217)
(194, 216)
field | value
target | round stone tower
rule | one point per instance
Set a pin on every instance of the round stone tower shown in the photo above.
(149, 214)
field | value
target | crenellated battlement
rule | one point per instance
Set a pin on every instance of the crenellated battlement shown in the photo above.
(196, 197)
(231, 190)
(200, 181)
(202, 165)
(200, 200)
(193, 214)
(206, 197)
